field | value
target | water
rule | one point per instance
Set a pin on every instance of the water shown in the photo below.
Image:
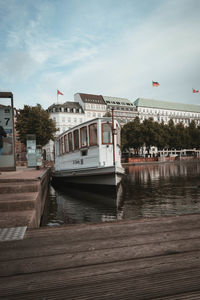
(145, 191)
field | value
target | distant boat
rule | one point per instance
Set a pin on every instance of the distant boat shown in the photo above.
(89, 154)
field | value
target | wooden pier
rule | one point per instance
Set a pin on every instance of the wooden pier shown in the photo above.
(142, 259)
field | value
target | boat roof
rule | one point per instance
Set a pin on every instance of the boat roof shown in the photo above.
(105, 119)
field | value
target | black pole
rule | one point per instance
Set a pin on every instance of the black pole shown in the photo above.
(113, 136)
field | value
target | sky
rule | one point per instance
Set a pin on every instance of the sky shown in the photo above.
(107, 47)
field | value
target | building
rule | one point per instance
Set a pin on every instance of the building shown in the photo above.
(124, 110)
(89, 106)
(93, 105)
(66, 115)
(163, 111)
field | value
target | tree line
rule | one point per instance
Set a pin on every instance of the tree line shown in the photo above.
(137, 134)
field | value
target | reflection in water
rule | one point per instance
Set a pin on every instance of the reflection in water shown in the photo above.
(145, 191)
(80, 206)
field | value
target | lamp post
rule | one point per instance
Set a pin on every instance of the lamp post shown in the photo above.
(113, 136)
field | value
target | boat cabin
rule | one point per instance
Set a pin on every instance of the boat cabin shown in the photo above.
(93, 144)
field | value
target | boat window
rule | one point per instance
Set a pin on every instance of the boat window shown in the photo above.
(76, 139)
(70, 141)
(93, 134)
(60, 146)
(107, 133)
(84, 152)
(84, 139)
(66, 143)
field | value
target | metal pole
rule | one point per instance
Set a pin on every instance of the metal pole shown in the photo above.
(113, 136)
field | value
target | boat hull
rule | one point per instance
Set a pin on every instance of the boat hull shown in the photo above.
(107, 176)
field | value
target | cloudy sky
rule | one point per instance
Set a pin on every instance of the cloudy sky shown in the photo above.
(108, 47)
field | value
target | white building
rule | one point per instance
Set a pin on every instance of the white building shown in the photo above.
(163, 111)
(66, 115)
(93, 105)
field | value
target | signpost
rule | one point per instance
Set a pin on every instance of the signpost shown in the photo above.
(7, 134)
(31, 150)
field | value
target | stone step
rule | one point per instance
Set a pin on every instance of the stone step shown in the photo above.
(18, 218)
(19, 187)
(18, 201)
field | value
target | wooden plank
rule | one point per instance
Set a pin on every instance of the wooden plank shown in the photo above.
(55, 246)
(127, 286)
(79, 259)
(126, 260)
(137, 267)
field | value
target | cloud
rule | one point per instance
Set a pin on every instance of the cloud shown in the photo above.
(164, 48)
(111, 54)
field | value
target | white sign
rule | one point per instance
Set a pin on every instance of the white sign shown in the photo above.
(7, 146)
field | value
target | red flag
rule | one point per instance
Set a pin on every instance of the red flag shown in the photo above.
(195, 91)
(155, 83)
(59, 93)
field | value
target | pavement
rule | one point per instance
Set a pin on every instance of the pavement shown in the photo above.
(21, 173)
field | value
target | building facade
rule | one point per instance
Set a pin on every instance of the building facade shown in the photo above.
(93, 106)
(66, 115)
(163, 111)
(124, 110)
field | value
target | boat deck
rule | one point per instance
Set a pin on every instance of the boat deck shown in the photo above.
(142, 259)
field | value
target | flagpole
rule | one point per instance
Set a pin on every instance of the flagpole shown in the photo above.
(57, 96)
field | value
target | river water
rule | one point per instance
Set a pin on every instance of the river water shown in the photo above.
(145, 191)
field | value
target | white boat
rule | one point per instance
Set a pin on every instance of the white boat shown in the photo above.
(89, 154)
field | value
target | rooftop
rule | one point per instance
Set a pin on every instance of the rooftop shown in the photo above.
(90, 98)
(117, 101)
(67, 104)
(144, 102)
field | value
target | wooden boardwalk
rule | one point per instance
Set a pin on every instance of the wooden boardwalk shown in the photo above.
(143, 259)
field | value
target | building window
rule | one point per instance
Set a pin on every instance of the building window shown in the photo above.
(93, 134)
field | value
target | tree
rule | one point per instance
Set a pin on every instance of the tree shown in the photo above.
(182, 136)
(172, 142)
(150, 133)
(132, 135)
(35, 120)
(108, 114)
(193, 135)
(162, 135)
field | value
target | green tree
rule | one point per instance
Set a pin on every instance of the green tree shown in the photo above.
(181, 137)
(162, 135)
(172, 141)
(132, 135)
(193, 133)
(35, 120)
(150, 133)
